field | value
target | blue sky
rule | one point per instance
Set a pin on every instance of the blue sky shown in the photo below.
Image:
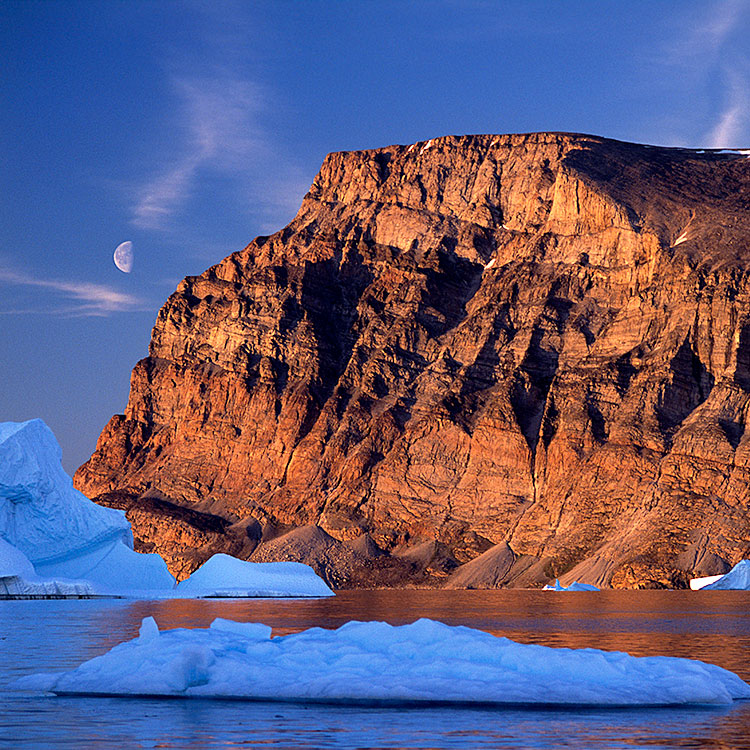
(191, 127)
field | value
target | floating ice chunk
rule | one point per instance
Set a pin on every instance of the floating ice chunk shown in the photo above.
(226, 576)
(148, 631)
(575, 586)
(700, 583)
(253, 631)
(737, 578)
(735, 151)
(425, 661)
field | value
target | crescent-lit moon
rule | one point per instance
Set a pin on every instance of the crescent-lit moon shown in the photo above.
(123, 256)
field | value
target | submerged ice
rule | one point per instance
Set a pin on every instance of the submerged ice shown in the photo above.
(575, 586)
(423, 662)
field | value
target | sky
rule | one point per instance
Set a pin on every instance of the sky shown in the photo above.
(189, 128)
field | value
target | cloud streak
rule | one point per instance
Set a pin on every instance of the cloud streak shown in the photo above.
(733, 123)
(88, 298)
(716, 36)
(221, 134)
(710, 52)
(218, 130)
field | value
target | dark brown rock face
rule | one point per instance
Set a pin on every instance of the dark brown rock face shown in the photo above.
(534, 341)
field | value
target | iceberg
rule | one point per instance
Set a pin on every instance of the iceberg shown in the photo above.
(737, 578)
(113, 568)
(425, 662)
(226, 576)
(60, 531)
(575, 586)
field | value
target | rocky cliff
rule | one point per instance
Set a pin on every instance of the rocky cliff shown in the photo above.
(528, 353)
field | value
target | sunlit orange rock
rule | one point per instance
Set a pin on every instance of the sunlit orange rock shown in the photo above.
(538, 340)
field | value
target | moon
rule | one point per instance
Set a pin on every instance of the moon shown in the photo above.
(123, 256)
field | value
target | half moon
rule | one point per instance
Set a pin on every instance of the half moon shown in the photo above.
(123, 256)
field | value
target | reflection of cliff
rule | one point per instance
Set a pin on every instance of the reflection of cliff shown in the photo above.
(464, 342)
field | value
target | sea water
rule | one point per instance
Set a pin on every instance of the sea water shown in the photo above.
(45, 636)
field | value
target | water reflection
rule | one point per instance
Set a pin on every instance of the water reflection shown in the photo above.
(52, 635)
(108, 723)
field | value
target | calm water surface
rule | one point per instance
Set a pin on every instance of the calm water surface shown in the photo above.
(45, 636)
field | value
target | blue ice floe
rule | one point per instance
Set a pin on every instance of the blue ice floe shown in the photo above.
(372, 662)
(575, 586)
(224, 576)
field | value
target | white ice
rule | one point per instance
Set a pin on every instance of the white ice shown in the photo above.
(114, 568)
(423, 662)
(737, 578)
(575, 586)
(226, 576)
(18, 577)
(696, 584)
(61, 532)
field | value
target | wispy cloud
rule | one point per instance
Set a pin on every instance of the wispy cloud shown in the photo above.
(221, 133)
(711, 51)
(218, 129)
(732, 126)
(717, 25)
(87, 298)
(701, 34)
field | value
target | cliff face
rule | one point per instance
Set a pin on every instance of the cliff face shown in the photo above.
(540, 342)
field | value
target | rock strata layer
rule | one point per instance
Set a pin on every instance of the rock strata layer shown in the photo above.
(539, 343)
